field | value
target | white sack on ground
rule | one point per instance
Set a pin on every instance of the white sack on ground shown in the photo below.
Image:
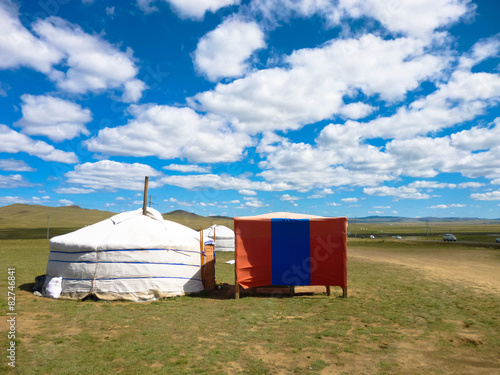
(53, 287)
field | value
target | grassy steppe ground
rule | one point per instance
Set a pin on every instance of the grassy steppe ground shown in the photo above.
(395, 321)
(477, 230)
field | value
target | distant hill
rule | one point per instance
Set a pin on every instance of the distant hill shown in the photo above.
(30, 221)
(182, 213)
(197, 222)
(397, 219)
(32, 216)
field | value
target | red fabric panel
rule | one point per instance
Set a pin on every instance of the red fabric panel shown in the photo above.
(253, 252)
(328, 251)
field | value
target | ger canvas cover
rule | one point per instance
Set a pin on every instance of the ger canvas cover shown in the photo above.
(132, 256)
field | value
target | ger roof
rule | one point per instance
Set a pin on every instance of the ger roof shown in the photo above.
(281, 215)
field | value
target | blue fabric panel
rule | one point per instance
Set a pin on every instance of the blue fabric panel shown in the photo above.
(291, 254)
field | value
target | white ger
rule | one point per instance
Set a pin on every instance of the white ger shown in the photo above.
(133, 256)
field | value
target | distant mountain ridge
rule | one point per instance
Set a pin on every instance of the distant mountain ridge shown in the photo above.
(180, 212)
(187, 213)
(20, 209)
(37, 216)
(35, 221)
(400, 219)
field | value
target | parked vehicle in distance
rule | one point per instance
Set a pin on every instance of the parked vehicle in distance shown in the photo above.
(372, 236)
(498, 240)
(397, 237)
(449, 237)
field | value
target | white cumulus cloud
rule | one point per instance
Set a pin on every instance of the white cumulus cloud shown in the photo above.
(13, 142)
(223, 182)
(196, 9)
(191, 9)
(254, 203)
(312, 88)
(187, 168)
(18, 47)
(489, 196)
(11, 200)
(349, 200)
(15, 165)
(112, 175)
(356, 110)
(402, 192)
(53, 117)
(289, 198)
(93, 63)
(453, 205)
(76, 61)
(171, 132)
(246, 192)
(13, 181)
(224, 52)
(74, 190)
(65, 202)
(418, 18)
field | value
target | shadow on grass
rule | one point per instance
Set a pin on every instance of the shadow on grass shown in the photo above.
(226, 291)
(28, 287)
(222, 292)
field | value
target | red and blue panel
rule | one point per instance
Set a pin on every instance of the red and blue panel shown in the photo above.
(291, 252)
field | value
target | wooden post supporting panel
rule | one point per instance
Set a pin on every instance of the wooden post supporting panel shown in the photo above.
(236, 285)
(202, 258)
(236, 291)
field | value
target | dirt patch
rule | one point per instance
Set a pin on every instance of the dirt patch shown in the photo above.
(467, 339)
(476, 268)
(284, 363)
(33, 324)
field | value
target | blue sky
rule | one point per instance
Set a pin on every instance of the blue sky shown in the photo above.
(335, 108)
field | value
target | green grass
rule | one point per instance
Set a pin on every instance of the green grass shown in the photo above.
(390, 243)
(474, 230)
(392, 314)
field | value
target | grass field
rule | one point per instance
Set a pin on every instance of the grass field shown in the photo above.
(395, 321)
(474, 230)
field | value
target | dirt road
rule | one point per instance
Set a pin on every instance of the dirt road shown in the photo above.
(475, 268)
